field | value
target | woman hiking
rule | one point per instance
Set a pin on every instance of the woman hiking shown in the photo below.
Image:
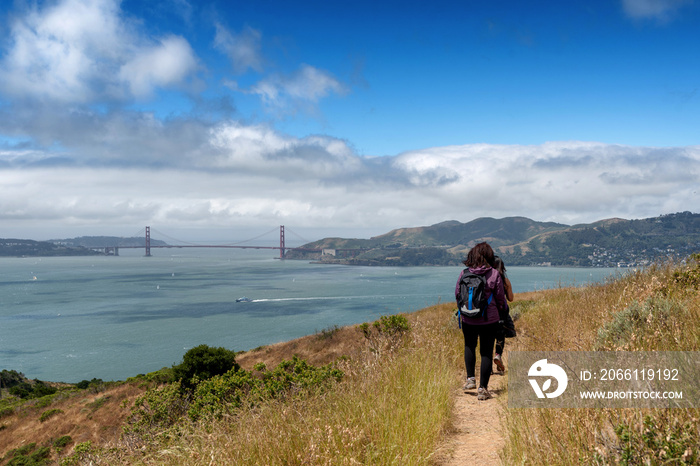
(483, 329)
(507, 328)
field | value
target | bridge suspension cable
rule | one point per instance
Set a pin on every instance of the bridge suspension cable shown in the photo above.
(165, 236)
(298, 235)
(274, 230)
(168, 237)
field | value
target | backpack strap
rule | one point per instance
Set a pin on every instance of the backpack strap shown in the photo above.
(488, 302)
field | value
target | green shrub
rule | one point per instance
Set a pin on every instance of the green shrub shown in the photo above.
(203, 362)
(327, 333)
(388, 332)
(60, 443)
(84, 384)
(82, 454)
(26, 390)
(365, 329)
(392, 325)
(657, 440)
(23, 450)
(10, 378)
(46, 415)
(684, 280)
(45, 401)
(22, 390)
(640, 326)
(231, 390)
(98, 403)
(40, 389)
(8, 411)
(29, 455)
(157, 409)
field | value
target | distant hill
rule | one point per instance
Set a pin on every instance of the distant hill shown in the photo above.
(102, 241)
(521, 241)
(82, 246)
(11, 247)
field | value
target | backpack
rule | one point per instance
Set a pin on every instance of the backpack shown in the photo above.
(472, 300)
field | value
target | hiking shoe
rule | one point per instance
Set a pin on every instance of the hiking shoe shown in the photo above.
(483, 394)
(471, 383)
(499, 363)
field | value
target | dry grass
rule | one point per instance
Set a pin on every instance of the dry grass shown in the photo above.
(392, 408)
(84, 416)
(571, 320)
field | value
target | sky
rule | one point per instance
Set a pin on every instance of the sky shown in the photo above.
(217, 119)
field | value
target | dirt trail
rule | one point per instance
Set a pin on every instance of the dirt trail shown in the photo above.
(477, 437)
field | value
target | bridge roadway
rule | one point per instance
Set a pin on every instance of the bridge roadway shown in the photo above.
(114, 250)
(209, 246)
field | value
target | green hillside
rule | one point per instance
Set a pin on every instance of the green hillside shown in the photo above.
(25, 248)
(521, 241)
(82, 246)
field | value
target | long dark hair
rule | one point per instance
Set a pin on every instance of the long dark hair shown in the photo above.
(499, 265)
(479, 255)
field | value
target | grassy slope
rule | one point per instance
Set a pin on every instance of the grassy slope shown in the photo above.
(395, 402)
(599, 318)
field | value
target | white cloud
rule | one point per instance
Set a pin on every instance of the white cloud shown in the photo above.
(243, 49)
(254, 176)
(79, 51)
(292, 92)
(661, 10)
(261, 149)
(165, 64)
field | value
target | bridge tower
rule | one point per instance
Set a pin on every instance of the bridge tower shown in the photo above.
(148, 241)
(281, 241)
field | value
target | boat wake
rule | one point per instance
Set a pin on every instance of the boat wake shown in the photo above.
(321, 298)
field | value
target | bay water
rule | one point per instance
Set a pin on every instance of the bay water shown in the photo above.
(74, 318)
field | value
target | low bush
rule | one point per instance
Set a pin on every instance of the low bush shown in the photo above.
(46, 415)
(327, 333)
(60, 443)
(230, 391)
(85, 384)
(156, 410)
(386, 333)
(161, 408)
(638, 326)
(203, 362)
(29, 455)
(37, 389)
(10, 378)
(657, 439)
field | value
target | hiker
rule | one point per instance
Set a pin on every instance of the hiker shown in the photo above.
(483, 327)
(507, 326)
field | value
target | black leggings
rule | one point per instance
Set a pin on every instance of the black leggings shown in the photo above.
(486, 334)
(500, 340)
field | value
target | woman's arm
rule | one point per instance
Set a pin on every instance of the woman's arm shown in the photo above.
(508, 288)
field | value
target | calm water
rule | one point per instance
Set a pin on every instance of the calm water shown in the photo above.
(74, 318)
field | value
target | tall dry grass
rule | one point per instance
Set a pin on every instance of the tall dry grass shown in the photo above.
(392, 407)
(650, 310)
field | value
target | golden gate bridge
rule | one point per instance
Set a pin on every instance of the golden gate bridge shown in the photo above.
(114, 249)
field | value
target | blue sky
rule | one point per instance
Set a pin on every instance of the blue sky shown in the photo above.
(218, 118)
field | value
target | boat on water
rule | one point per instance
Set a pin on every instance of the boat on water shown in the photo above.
(244, 299)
